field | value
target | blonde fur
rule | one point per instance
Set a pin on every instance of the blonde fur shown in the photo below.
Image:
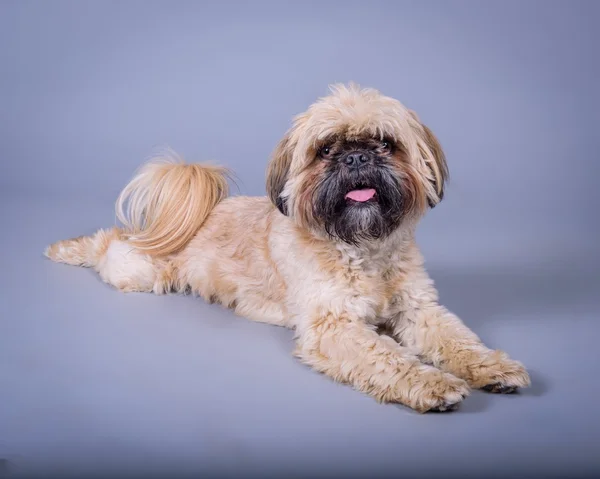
(167, 201)
(364, 314)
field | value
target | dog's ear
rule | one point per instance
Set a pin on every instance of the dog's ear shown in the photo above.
(278, 172)
(435, 158)
(438, 165)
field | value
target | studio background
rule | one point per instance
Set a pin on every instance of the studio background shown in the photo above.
(94, 379)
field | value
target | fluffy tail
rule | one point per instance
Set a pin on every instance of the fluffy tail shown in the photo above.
(167, 201)
(161, 209)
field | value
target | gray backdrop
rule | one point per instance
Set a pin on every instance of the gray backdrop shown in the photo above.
(96, 381)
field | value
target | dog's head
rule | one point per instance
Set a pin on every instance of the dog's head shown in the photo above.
(356, 165)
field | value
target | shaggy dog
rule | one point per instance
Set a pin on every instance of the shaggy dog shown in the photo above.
(330, 252)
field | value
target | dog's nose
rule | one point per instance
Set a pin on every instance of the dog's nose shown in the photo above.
(356, 159)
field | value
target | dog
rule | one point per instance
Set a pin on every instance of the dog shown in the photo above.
(330, 252)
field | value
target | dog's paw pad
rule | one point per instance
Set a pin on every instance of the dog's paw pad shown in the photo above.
(446, 407)
(501, 375)
(499, 388)
(441, 392)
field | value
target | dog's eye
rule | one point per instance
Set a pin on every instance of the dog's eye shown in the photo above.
(386, 145)
(325, 152)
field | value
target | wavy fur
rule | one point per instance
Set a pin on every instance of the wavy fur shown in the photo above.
(167, 201)
(268, 259)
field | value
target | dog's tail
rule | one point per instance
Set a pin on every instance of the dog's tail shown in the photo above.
(167, 201)
(161, 209)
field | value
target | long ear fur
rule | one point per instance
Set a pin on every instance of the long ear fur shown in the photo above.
(278, 172)
(440, 166)
(435, 158)
(167, 201)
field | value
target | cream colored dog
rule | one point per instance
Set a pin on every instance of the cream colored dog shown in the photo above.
(330, 252)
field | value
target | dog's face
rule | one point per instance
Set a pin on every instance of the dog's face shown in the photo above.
(356, 165)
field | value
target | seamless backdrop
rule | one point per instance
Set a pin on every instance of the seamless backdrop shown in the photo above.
(93, 380)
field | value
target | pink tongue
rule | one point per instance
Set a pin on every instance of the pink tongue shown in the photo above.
(361, 195)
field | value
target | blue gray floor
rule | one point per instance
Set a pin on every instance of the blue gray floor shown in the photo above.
(95, 382)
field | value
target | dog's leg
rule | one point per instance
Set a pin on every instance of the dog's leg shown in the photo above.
(116, 261)
(86, 251)
(445, 341)
(352, 352)
(260, 309)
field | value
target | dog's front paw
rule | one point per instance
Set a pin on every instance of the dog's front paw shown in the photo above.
(436, 391)
(500, 374)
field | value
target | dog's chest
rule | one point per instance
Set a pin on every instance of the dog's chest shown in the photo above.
(376, 292)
